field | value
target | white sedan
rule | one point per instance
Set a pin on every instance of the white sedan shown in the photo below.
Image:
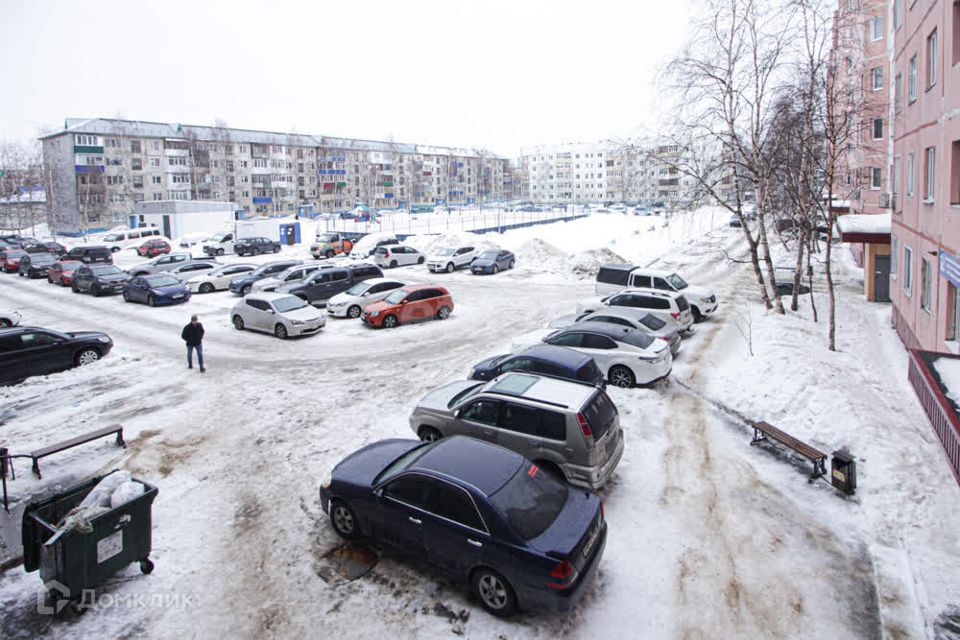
(351, 302)
(281, 314)
(625, 356)
(218, 279)
(9, 318)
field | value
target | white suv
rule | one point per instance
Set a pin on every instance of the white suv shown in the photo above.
(451, 258)
(396, 255)
(613, 278)
(668, 305)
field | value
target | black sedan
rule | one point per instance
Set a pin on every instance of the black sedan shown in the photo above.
(255, 246)
(35, 265)
(486, 515)
(33, 351)
(99, 279)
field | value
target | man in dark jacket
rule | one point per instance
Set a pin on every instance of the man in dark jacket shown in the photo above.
(192, 334)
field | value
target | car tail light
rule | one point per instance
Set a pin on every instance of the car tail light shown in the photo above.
(676, 316)
(562, 575)
(584, 427)
(664, 338)
(603, 516)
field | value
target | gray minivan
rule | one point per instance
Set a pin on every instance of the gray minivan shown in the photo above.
(326, 282)
(569, 428)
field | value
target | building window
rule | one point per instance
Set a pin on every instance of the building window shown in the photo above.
(876, 177)
(876, 28)
(894, 255)
(136, 164)
(155, 146)
(929, 173)
(158, 196)
(138, 182)
(876, 75)
(155, 179)
(912, 80)
(956, 31)
(135, 146)
(154, 162)
(926, 279)
(897, 13)
(932, 59)
(877, 128)
(955, 172)
(910, 174)
(898, 93)
(953, 312)
(907, 269)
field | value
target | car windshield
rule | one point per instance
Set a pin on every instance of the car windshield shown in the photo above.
(637, 339)
(288, 303)
(676, 281)
(466, 394)
(652, 322)
(446, 252)
(403, 462)
(218, 237)
(396, 296)
(42, 258)
(381, 250)
(489, 255)
(265, 270)
(531, 500)
(113, 237)
(162, 281)
(105, 271)
(325, 237)
(357, 289)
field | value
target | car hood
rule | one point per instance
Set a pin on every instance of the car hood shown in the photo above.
(87, 334)
(363, 465)
(483, 262)
(438, 399)
(692, 293)
(114, 277)
(438, 258)
(302, 314)
(564, 321)
(170, 289)
(142, 265)
(342, 298)
(380, 305)
(484, 366)
(530, 338)
(589, 304)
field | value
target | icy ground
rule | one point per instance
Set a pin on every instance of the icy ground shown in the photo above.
(709, 537)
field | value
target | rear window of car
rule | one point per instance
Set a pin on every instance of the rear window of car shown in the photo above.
(682, 303)
(600, 413)
(637, 339)
(588, 372)
(652, 322)
(530, 501)
(382, 250)
(612, 275)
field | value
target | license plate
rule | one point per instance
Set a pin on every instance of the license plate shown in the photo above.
(591, 541)
(178, 296)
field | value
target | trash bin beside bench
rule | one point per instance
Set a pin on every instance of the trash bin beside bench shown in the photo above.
(73, 442)
(763, 430)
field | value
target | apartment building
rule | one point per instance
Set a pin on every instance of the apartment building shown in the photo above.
(925, 234)
(99, 168)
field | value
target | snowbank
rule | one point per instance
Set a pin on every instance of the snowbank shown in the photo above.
(949, 371)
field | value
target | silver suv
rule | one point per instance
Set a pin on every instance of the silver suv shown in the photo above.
(568, 428)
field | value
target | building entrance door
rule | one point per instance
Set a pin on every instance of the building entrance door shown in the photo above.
(881, 278)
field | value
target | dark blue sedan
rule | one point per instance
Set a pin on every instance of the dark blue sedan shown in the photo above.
(493, 261)
(161, 288)
(544, 359)
(484, 514)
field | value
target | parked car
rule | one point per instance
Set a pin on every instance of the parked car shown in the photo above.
(9, 318)
(328, 245)
(396, 255)
(482, 513)
(186, 270)
(451, 258)
(351, 302)
(90, 254)
(542, 359)
(288, 276)
(365, 246)
(242, 283)
(10, 260)
(35, 265)
(281, 314)
(326, 282)
(626, 356)
(154, 247)
(218, 279)
(219, 244)
(160, 264)
(639, 319)
(12, 238)
(613, 278)
(34, 351)
(412, 303)
(255, 246)
(190, 240)
(61, 272)
(158, 288)
(493, 261)
(667, 305)
(54, 248)
(124, 238)
(98, 279)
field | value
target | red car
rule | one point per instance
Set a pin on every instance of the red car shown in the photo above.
(10, 260)
(153, 248)
(61, 273)
(412, 303)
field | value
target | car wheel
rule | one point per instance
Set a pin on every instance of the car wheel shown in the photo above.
(96, 291)
(697, 316)
(126, 297)
(494, 592)
(443, 313)
(496, 269)
(621, 376)
(255, 252)
(420, 260)
(49, 280)
(238, 323)
(429, 434)
(390, 322)
(450, 267)
(276, 249)
(280, 331)
(219, 252)
(511, 265)
(114, 249)
(63, 283)
(206, 287)
(393, 264)
(74, 288)
(353, 312)
(344, 521)
(245, 290)
(330, 253)
(151, 301)
(87, 356)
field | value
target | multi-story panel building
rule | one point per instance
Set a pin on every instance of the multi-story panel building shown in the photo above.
(99, 168)
(925, 230)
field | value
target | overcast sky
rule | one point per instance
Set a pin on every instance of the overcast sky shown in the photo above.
(493, 74)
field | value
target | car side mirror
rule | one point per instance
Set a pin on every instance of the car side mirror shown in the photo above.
(271, 311)
(403, 302)
(456, 414)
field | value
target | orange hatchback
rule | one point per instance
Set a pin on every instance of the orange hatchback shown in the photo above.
(412, 303)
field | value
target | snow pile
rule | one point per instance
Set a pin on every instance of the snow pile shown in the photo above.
(368, 243)
(586, 264)
(429, 244)
(949, 371)
(543, 256)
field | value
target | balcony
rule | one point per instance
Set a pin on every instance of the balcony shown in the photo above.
(79, 148)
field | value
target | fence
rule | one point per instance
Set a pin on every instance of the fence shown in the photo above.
(936, 405)
(402, 223)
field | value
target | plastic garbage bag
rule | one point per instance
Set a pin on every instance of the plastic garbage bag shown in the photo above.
(99, 496)
(126, 492)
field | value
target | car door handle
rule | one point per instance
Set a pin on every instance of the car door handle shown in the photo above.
(414, 520)
(474, 542)
(533, 443)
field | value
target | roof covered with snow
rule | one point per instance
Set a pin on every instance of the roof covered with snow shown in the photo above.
(871, 224)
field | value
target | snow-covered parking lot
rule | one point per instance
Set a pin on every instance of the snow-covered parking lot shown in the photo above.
(708, 536)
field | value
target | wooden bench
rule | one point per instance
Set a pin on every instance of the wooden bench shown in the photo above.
(73, 442)
(762, 430)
